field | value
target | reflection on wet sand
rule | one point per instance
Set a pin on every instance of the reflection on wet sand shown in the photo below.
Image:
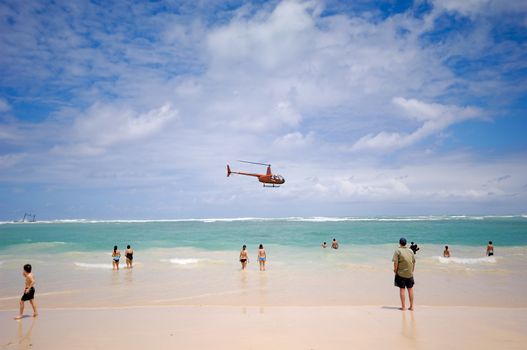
(24, 341)
(408, 330)
(243, 280)
(263, 291)
(129, 276)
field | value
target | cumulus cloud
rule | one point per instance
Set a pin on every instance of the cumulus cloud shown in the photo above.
(292, 140)
(435, 117)
(424, 181)
(105, 125)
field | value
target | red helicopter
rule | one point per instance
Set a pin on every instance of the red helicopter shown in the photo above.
(268, 179)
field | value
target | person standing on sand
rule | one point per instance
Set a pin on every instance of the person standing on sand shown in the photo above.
(29, 292)
(129, 254)
(244, 257)
(446, 252)
(490, 249)
(116, 255)
(335, 244)
(403, 267)
(262, 257)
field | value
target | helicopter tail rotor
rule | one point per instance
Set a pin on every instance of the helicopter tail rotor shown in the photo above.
(229, 172)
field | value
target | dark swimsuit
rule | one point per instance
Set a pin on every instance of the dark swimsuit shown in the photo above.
(243, 260)
(29, 295)
(130, 256)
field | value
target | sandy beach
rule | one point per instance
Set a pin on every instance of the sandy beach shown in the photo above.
(202, 327)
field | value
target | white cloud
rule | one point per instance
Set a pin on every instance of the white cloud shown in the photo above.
(105, 125)
(10, 160)
(292, 140)
(480, 7)
(434, 117)
(419, 182)
(4, 105)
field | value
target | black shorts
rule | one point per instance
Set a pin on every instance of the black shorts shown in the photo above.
(29, 295)
(403, 282)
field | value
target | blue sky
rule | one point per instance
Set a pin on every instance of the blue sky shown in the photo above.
(133, 109)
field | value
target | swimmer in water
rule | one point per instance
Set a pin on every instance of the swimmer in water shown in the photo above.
(262, 257)
(116, 255)
(490, 249)
(446, 252)
(129, 254)
(244, 257)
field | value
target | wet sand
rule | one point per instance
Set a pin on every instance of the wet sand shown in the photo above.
(213, 327)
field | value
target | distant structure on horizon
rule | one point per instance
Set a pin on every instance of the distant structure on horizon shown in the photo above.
(28, 217)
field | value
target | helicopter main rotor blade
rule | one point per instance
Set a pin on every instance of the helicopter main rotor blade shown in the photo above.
(246, 161)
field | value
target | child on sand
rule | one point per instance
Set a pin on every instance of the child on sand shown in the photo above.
(324, 245)
(244, 257)
(262, 257)
(446, 252)
(116, 255)
(29, 292)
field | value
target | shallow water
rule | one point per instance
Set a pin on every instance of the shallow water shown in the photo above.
(196, 262)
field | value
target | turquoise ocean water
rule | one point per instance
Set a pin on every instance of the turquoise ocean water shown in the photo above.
(229, 234)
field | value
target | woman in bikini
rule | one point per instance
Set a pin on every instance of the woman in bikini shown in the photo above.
(116, 255)
(129, 253)
(262, 257)
(244, 257)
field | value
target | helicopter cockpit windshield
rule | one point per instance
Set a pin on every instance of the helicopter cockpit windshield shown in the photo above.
(277, 178)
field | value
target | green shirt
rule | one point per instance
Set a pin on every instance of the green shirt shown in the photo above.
(405, 259)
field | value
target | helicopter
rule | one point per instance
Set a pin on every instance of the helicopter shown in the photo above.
(268, 179)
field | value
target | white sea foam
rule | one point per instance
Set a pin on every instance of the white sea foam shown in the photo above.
(93, 266)
(306, 219)
(467, 261)
(184, 262)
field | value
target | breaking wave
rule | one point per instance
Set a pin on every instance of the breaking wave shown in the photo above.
(93, 266)
(467, 261)
(299, 219)
(184, 262)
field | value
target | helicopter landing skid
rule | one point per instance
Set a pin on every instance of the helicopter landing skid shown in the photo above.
(271, 185)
